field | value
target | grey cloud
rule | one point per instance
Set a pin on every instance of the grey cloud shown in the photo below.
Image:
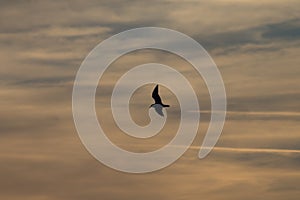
(287, 30)
(267, 102)
(47, 81)
(264, 34)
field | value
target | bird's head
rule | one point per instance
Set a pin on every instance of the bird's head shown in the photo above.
(151, 105)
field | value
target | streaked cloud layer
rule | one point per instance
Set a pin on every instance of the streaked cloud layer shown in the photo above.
(254, 43)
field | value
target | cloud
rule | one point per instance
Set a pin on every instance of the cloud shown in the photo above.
(252, 150)
(256, 47)
(262, 38)
(289, 30)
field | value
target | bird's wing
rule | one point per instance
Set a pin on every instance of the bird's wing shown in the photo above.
(156, 96)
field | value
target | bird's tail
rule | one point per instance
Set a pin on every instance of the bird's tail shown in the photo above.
(166, 105)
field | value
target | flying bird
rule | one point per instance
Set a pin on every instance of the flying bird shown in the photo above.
(158, 105)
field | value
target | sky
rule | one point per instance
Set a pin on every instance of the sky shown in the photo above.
(256, 46)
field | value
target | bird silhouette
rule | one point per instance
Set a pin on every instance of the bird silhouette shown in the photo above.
(158, 105)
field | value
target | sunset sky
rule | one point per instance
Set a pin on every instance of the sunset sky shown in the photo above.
(256, 46)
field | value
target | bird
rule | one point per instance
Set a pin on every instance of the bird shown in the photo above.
(158, 105)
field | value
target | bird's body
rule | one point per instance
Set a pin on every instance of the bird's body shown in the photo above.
(158, 105)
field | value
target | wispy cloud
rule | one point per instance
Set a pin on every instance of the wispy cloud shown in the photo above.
(251, 150)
